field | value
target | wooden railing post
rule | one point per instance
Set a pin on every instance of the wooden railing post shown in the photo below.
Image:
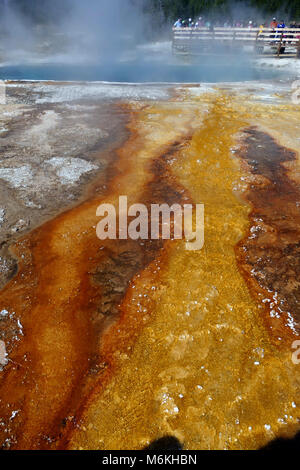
(298, 48)
(256, 41)
(280, 45)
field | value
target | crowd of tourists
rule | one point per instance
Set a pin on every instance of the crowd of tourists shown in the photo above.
(201, 22)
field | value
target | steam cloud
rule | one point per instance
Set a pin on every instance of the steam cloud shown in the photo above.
(94, 29)
(108, 32)
(107, 27)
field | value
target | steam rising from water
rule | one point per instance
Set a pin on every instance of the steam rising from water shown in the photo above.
(110, 37)
(93, 30)
(105, 30)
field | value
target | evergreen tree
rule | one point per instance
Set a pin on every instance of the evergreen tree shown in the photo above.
(45, 10)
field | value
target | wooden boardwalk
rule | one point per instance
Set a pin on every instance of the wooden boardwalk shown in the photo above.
(262, 41)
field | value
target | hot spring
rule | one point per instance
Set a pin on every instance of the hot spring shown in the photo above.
(157, 66)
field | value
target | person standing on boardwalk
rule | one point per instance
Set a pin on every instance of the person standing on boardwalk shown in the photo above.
(273, 23)
(178, 24)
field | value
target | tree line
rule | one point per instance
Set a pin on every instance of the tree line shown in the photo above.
(173, 9)
(169, 10)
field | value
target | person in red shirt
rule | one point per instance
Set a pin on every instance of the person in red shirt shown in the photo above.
(273, 24)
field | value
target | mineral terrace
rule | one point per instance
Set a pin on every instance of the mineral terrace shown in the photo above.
(111, 345)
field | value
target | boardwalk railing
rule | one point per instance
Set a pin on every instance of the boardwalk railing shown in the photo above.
(199, 40)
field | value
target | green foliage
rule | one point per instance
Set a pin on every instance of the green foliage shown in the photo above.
(45, 10)
(185, 8)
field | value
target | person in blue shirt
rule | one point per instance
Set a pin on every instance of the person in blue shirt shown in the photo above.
(178, 24)
(281, 25)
